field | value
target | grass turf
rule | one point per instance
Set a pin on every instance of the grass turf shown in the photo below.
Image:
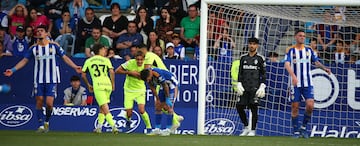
(55, 138)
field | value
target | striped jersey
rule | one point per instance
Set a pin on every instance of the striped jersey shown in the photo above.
(46, 66)
(165, 77)
(300, 61)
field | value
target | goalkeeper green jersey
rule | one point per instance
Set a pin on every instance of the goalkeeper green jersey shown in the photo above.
(133, 84)
(154, 60)
(98, 67)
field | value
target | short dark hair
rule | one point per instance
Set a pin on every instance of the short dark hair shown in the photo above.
(140, 46)
(96, 47)
(139, 53)
(74, 78)
(113, 5)
(299, 30)
(253, 40)
(144, 74)
(42, 27)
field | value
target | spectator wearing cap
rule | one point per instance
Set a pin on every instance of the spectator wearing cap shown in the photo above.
(170, 52)
(20, 45)
(7, 43)
(17, 17)
(76, 94)
(178, 48)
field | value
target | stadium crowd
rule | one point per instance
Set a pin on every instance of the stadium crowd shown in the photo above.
(169, 28)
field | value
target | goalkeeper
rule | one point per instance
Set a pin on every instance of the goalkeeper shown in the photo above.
(248, 75)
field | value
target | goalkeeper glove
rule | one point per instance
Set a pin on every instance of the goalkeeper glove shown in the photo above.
(168, 102)
(240, 89)
(261, 91)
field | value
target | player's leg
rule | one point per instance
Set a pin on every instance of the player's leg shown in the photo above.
(129, 98)
(253, 106)
(101, 120)
(38, 92)
(240, 107)
(50, 93)
(140, 99)
(309, 96)
(295, 100)
(102, 97)
(158, 117)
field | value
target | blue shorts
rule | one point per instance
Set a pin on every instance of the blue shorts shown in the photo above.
(45, 89)
(162, 95)
(297, 92)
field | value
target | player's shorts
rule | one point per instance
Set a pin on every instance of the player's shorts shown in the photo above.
(249, 98)
(162, 95)
(102, 96)
(130, 97)
(306, 92)
(45, 89)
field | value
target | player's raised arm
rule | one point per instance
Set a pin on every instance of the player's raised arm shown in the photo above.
(19, 65)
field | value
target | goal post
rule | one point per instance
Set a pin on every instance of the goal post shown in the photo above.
(223, 103)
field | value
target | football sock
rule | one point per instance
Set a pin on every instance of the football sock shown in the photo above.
(101, 120)
(146, 120)
(254, 111)
(242, 114)
(109, 119)
(48, 114)
(175, 117)
(158, 117)
(306, 119)
(295, 123)
(169, 119)
(40, 115)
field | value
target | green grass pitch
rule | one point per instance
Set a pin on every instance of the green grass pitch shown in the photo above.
(55, 138)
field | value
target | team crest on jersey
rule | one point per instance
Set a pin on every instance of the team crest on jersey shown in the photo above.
(255, 61)
(50, 50)
(245, 62)
(307, 53)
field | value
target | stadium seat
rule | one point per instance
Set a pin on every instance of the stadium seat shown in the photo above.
(124, 4)
(309, 27)
(130, 17)
(103, 2)
(89, 100)
(155, 18)
(102, 18)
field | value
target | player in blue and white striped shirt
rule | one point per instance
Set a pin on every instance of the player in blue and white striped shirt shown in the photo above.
(46, 73)
(298, 61)
(168, 91)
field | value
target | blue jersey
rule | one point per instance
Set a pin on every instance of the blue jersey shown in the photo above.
(165, 77)
(20, 47)
(300, 61)
(225, 52)
(46, 68)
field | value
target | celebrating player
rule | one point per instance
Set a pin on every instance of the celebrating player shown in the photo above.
(251, 74)
(46, 73)
(168, 90)
(134, 88)
(298, 61)
(99, 66)
(153, 60)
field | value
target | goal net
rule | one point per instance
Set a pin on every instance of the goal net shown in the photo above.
(332, 31)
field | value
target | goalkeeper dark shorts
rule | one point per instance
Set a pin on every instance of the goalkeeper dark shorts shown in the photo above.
(248, 98)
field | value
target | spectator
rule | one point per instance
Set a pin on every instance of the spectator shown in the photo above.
(7, 43)
(115, 25)
(224, 45)
(170, 52)
(154, 41)
(17, 17)
(133, 50)
(7, 5)
(54, 8)
(76, 94)
(176, 9)
(165, 25)
(273, 57)
(4, 21)
(111, 54)
(126, 40)
(178, 47)
(190, 28)
(29, 35)
(84, 29)
(216, 24)
(65, 27)
(36, 20)
(77, 8)
(326, 34)
(158, 51)
(144, 23)
(355, 45)
(340, 52)
(95, 38)
(20, 45)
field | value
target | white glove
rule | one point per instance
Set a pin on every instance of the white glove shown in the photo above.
(240, 89)
(261, 91)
